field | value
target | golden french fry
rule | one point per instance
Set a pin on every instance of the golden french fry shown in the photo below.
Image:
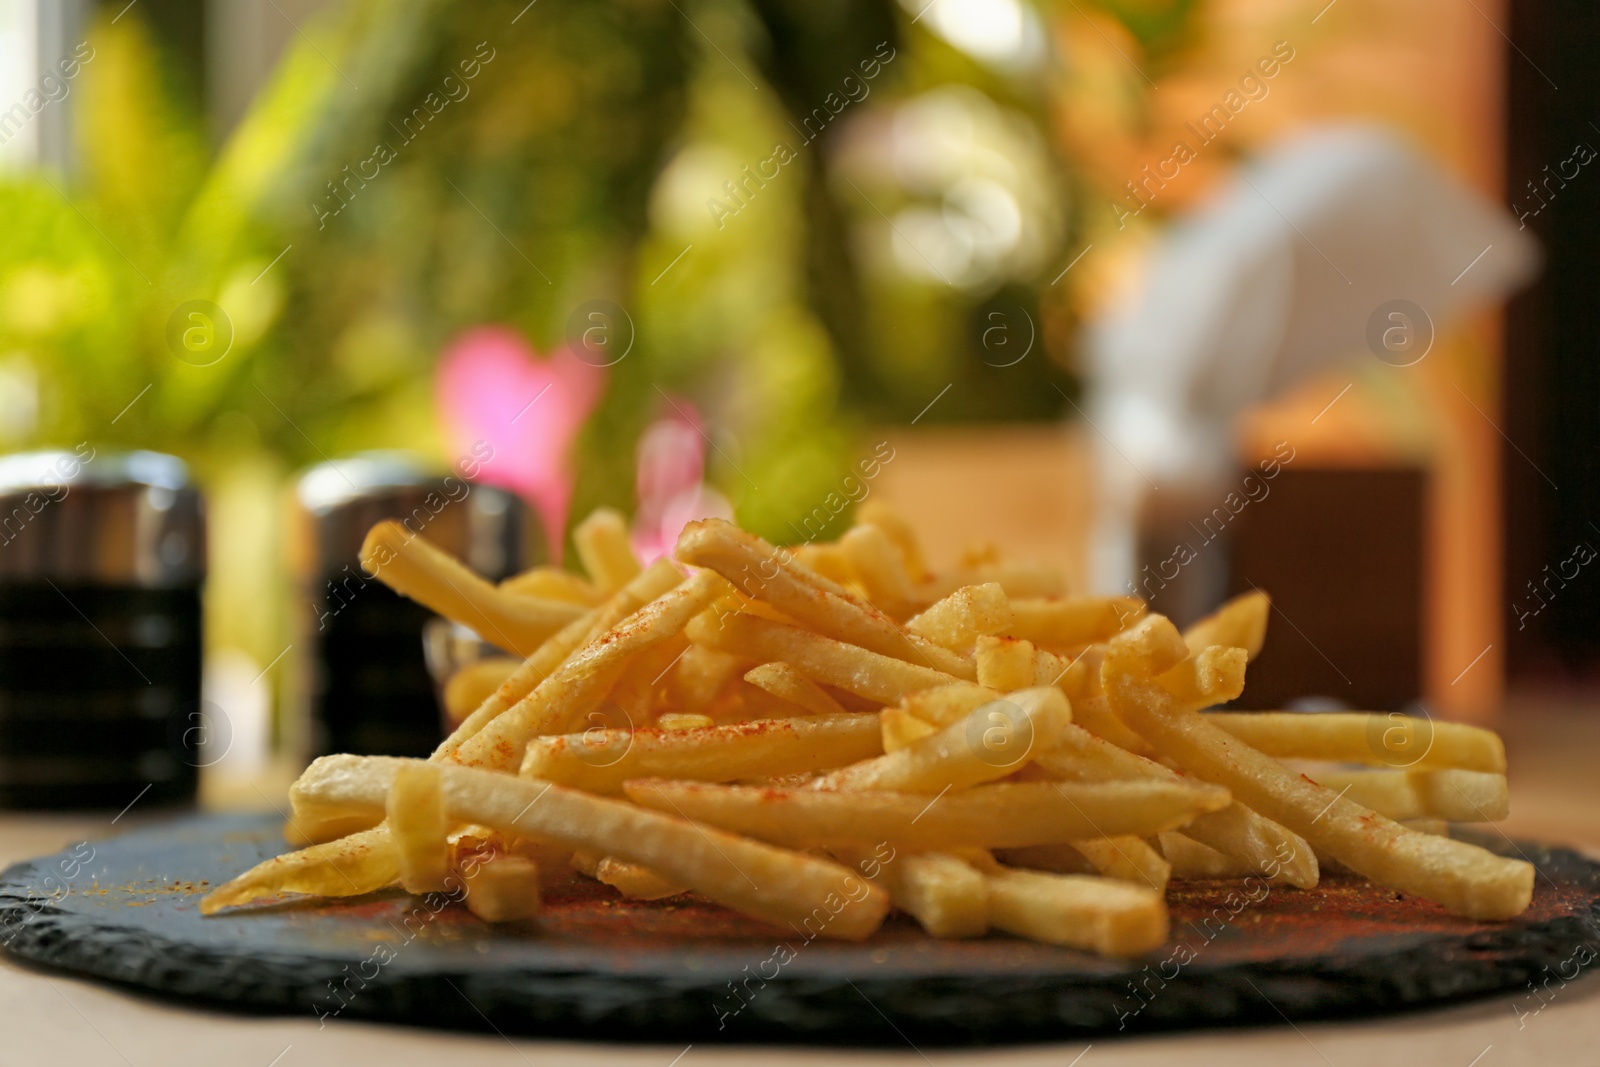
(958, 620)
(876, 565)
(783, 681)
(1455, 796)
(503, 888)
(1113, 918)
(469, 687)
(1153, 642)
(1126, 858)
(822, 659)
(990, 816)
(1463, 878)
(946, 895)
(415, 814)
(750, 877)
(558, 703)
(412, 567)
(1211, 676)
(1388, 740)
(604, 549)
(1240, 623)
(876, 513)
(599, 761)
(1192, 861)
(825, 561)
(901, 728)
(993, 742)
(361, 863)
(1081, 683)
(700, 675)
(765, 573)
(634, 881)
(1005, 663)
(1072, 623)
(553, 583)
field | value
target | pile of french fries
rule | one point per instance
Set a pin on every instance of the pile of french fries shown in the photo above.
(813, 736)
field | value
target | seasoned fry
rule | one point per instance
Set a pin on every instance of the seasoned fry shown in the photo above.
(1463, 878)
(993, 742)
(1387, 740)
(1455, 796)
(557, 704)
(783, 681)
(901, 728)
(604, 549)
(990, 816)
(1005, 663)
(747, 876)
(1211, 676)
(1127, 859)
(361, 863)
(822, 659)
(958, 620)
(946, 895)
(944, 705)
(1113, 918)
(504, 888)
(412, 567)
(1072, 623)
(1240, 623)
(876, 565)
(599, 761)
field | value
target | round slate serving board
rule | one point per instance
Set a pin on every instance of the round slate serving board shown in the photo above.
(597, 966)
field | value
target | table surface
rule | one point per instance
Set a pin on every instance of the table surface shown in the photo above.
(1552, 745)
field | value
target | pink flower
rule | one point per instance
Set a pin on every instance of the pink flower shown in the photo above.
(669, 482)
(492, 386)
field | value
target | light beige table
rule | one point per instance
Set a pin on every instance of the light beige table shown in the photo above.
(48, 1019)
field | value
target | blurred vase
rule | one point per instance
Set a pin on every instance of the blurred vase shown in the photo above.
(102, 558)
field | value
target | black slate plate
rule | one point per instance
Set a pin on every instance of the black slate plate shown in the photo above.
(601, 967)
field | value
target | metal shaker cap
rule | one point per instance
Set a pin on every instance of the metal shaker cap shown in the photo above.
(89, 517)
(488, 528)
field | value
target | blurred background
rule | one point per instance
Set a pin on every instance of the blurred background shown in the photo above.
(1184, 296)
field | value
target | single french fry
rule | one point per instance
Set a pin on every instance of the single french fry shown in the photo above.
(958, 620)
(989, 816)
(415, 814)
(700, 675)
(1153, 642)
(1455, 796)
(1081, 683)
(1005, 663)
(469, 687)
(557, 703)
(599, 761)
(750, 877)
(946, 895)
(1192, 861)
(993, 742)
(1240, 623)
(1111, 917)
(762, 572)
(504, 888)
(361, 863)
(822, 659)
(414, 568)
(1126, 858)
(826, 561)
(604, 549)
(901, 728)
(1387, 740)
(634, 881)
(783, 681)
(553, 583)
(1211, 676)
(1071, 623)
(876, 565)
(902, 533)
(1463, 878)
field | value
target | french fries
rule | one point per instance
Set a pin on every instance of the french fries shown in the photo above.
(972, 746)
